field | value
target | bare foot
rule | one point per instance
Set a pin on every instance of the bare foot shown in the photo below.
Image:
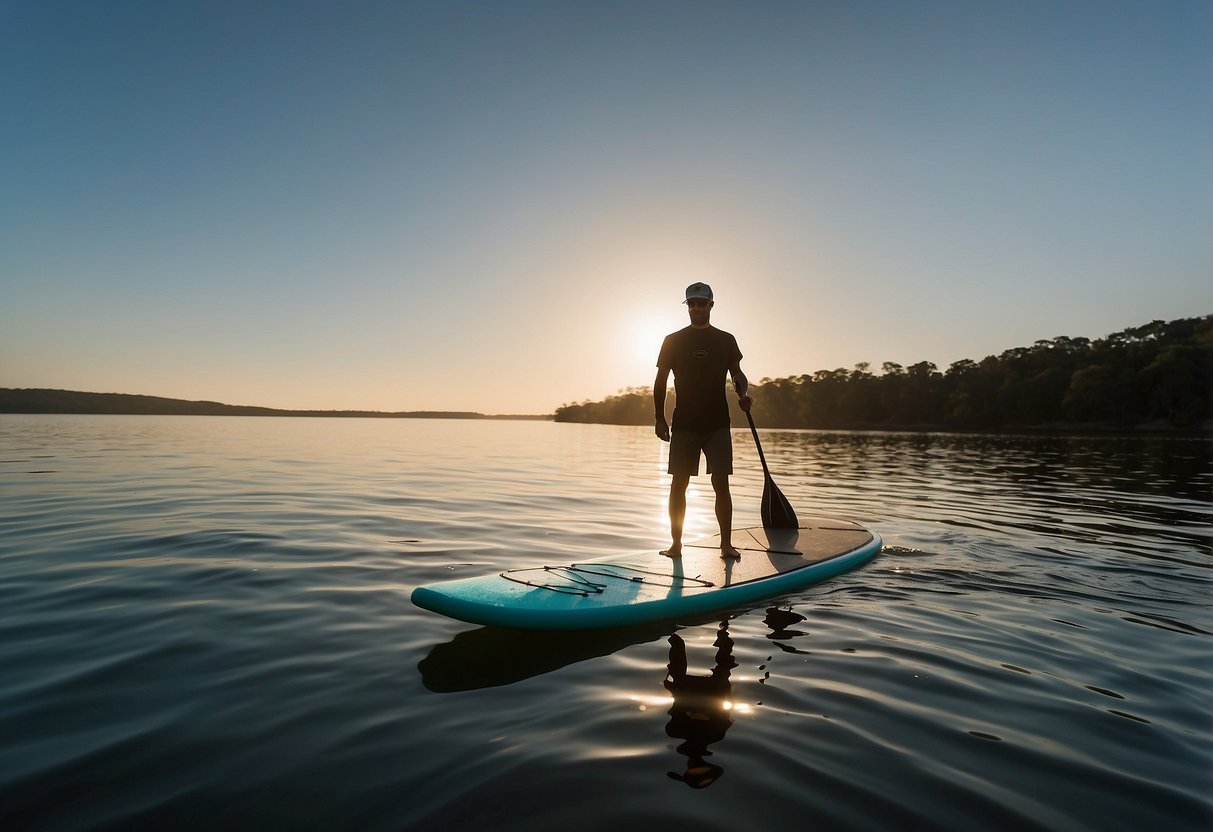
(674, 551)
(728, 551)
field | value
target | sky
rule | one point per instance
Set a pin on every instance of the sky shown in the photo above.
(496, 206)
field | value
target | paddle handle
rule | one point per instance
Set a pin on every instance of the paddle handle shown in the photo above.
(757, 444)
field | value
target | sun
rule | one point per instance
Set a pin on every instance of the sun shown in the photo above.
(645, 332)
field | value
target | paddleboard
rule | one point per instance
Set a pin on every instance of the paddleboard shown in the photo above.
(648, 586)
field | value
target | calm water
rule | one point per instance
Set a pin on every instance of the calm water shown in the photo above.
(204, 623)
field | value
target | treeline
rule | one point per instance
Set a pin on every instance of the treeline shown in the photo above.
(14, 400)
(1156, 376)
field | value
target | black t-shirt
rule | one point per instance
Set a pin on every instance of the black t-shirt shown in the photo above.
(700, 359)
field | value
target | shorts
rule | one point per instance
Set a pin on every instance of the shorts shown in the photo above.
(686, 445)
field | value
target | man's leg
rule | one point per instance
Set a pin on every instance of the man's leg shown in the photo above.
(724, 515)
(678, 513)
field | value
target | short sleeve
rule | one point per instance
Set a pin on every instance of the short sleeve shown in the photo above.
(665, 358)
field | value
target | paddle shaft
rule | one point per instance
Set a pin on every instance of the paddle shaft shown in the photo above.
(766, 473)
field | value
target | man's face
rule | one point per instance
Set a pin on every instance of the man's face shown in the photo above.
(700, 311)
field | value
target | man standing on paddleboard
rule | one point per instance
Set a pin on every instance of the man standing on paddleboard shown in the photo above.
(699, 356)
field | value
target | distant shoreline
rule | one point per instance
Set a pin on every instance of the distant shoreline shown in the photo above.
(36, 401)
(1156, 378)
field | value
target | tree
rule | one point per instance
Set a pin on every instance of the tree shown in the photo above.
(1159, 374)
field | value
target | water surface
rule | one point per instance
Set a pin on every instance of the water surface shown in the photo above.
(204, 621)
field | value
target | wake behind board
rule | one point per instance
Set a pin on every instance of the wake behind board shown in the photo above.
(648, 587)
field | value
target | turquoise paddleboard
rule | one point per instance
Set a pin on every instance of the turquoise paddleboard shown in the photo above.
(648, 587)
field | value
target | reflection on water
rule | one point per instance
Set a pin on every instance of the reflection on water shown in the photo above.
(491, 656)
(701, 705)
(702, 709)
(205, 623)
(781, 622)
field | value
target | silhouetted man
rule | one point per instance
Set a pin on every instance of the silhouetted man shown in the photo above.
(699, 356)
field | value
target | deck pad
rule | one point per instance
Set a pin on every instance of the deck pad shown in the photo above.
(647, 586)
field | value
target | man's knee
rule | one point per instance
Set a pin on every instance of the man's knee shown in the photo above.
(679, 483)
(720, 482)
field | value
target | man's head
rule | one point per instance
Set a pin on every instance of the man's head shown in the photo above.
(699, 303)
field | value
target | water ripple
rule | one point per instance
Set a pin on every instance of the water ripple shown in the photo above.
(204, 622)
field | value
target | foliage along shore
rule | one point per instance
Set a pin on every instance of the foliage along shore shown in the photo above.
(14, 400)
(1155, 377)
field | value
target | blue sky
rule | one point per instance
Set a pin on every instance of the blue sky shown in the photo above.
(496, 206)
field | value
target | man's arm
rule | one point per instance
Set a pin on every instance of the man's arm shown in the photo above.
(660, 427)
(742, 385)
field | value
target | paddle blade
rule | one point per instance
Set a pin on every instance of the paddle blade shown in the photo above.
(775, 509)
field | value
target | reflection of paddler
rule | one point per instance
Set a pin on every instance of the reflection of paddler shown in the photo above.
(701, 711)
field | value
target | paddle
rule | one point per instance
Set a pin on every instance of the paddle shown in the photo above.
(775, 509)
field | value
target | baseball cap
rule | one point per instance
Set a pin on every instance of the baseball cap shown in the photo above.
(699, 290)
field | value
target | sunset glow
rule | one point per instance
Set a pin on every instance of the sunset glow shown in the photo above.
(497, 208)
